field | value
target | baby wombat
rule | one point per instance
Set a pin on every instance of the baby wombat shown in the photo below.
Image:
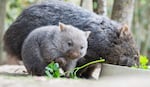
(53, 43)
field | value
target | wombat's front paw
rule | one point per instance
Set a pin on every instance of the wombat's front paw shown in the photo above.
(62, 62)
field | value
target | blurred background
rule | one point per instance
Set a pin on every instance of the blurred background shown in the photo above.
(135, 13)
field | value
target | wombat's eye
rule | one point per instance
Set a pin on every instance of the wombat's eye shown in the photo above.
(70, 43)
(136, 57)
(81, 47)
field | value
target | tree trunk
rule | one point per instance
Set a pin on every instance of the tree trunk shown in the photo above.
(123, 11)
(2, 18)
(102, 8)
(87, 4)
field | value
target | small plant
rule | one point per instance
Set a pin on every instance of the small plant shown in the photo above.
(143, 62)
(52, 70)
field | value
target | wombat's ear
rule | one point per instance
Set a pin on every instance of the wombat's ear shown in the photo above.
(124, 31)
(87, 33)
(62, 26)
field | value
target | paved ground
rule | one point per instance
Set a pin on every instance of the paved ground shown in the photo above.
(15, 76)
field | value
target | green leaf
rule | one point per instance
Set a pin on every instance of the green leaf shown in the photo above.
(56, 66)
(57, 74)
(143, 60)
(48, 74)
(49, 69)
(52, 70)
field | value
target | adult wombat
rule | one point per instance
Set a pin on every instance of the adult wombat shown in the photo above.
(109, 40)
(53, 43)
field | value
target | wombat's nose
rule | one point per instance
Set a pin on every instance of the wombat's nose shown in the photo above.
(72, 54)
(75, 54)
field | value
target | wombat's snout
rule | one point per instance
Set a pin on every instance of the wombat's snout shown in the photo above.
(129, 61)
(72, 54)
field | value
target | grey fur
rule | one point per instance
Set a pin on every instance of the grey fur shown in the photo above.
(47, 43)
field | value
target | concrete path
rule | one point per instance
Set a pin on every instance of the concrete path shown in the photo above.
(111, 76)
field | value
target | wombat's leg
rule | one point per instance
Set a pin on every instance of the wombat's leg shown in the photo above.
(66, 65)
(87, 71)
(35, 67)
(61, 61)
(69, 67)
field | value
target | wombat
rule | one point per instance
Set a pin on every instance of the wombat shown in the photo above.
(53, 43)
(109, 39)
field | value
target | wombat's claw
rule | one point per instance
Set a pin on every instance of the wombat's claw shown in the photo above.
(61, 61)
